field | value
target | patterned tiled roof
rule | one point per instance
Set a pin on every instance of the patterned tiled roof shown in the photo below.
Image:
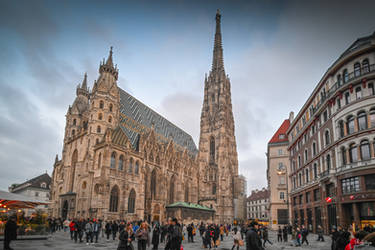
(137, 118)
(280, 135)
(34, 182)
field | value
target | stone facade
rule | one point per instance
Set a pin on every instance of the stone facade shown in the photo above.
(122, 160)
(332, 144)
(277, 176)
(218, 162)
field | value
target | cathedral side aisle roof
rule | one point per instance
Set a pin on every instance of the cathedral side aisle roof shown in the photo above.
(136, 118)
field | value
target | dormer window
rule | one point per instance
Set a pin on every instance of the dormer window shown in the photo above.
(43, 185)
(281, 136)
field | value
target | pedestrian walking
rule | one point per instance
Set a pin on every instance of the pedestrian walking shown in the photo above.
(190, 232)
(108, 229)
(10, 232)
(320, 233)
(236, 238)
(285, 234)
(155, 236)
(304, 233)
(279, 235)
(174, 235)
(253, 241)
(126, 238)
(265, 237)
(114, 229)
(89, 231)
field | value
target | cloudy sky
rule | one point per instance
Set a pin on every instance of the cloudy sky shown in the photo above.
(275, 52)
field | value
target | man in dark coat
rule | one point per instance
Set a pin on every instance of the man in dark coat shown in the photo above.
(253, 241)
(304, 234)
(10, 232)
(114, 229)
(190, 232)
(174, 236)
(155, 236)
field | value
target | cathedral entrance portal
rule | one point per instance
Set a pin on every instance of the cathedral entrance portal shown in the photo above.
(156, 213)
(64, 212)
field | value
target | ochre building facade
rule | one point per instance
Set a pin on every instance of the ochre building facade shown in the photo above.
(122, 160)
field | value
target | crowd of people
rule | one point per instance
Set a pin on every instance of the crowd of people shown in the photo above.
(251, 235)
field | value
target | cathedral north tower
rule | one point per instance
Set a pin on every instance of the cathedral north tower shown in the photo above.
(218, 163)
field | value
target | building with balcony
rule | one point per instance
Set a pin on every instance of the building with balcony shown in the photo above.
(332, 144)
(258, 204)
(277, 172)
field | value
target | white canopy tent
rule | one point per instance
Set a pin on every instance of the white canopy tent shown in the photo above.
(16, 201)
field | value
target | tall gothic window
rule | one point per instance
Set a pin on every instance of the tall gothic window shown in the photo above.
(100, 116)
(131, 202)
(110, 107)
(99, 160)
(121, 162)
(365, 150)
(212, 149)
(153, 184)
(362, 120)
(113, 199)
(214, 188)
(98, 129)
(186, 192)
(130, 169)
(113, 160)
(101, 104)
(136, 168)
(171, 190)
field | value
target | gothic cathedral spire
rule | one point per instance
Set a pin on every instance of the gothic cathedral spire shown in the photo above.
(217, 61)
(218, 163)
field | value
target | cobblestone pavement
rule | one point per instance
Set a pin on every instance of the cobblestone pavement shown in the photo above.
(61, 241)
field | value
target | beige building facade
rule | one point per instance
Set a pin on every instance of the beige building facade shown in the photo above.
(277, 176)
(122, 160)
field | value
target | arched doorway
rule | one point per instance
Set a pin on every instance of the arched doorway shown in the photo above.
(64, 212)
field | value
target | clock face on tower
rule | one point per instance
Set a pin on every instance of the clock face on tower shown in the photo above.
(280, 168)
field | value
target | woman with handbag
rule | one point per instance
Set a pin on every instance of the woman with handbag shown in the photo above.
(236, 238)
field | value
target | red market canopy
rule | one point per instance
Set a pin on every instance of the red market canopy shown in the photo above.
(16, 201)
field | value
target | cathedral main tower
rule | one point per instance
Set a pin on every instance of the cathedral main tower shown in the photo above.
(218, 163)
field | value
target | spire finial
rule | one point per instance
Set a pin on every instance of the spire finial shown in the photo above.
(217, 62)
(109, 60)
(84, 82)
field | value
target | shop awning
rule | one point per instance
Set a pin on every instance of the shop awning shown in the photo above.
(16, 201)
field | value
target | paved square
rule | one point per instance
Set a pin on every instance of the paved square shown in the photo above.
(61, 241)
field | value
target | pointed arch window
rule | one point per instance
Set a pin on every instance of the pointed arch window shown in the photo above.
(110, 119)
(100, 116)
(113, 160)
(98, 129)
(186, 192)
(214, 188)
(212, 149)
(327, 137)
(153, 184)
(121, 163)
(110, 107)
(99, 160)
(365, 150)
(130, 169)
(113, 199)
(74, 122)
(171, 190)
(101, 104)
(73, 132)
(131, 202)
(315, 171)
(357, 69)
(362, 120)
(136, 168)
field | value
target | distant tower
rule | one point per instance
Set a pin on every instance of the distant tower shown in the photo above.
(218, 163)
